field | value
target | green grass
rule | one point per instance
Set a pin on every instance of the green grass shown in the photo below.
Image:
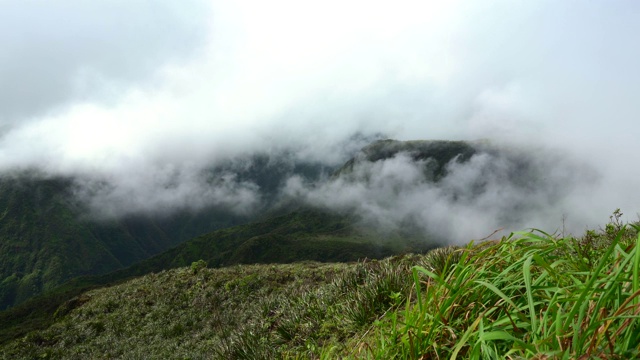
(530, 295)
(238, 312)
(302, 235)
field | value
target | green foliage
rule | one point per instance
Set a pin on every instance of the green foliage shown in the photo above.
(47, 239)
(238, 312)
(301, 235)
(525, 296)
(44, 241)
(197, 265)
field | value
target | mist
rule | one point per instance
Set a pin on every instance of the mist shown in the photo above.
(146, 104)
(497, 190)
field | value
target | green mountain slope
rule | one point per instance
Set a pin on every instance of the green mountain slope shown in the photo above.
(307, 234)
(301, 235)
(42, 242)
(45, 240)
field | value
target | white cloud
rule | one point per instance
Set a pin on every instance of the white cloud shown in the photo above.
(58, 53)
(498, 188)
(113, 87)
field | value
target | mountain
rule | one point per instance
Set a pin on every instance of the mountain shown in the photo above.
(303, 235)
(47, 238)
(43, 241)
(439, 152)
(198, 298)
(281, 236)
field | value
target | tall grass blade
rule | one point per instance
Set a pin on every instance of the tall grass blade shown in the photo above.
(497, 292)
(526, 269)
(463, 341)
(636, 268)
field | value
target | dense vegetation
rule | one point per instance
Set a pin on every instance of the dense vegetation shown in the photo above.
(528, 295)
(301, 235)
(45, 240)
(43, 243)
(306, 234)
(194, 312)
(531, 295)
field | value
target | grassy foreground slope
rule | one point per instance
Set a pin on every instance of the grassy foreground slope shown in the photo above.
(248, 311)
(301, 235)
(529, 295)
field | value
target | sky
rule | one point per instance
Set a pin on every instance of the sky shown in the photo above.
(142, 93)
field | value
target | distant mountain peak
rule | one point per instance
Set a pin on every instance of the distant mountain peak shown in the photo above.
(440, 151)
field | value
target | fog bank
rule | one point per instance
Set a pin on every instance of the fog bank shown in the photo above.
(142, 100)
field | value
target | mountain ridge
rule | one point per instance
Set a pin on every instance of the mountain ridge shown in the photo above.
(30, 227)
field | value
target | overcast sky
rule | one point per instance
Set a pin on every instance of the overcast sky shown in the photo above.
(138, 88)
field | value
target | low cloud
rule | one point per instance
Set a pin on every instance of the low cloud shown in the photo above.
(505, 189)
(140, 100)
(167, 192)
